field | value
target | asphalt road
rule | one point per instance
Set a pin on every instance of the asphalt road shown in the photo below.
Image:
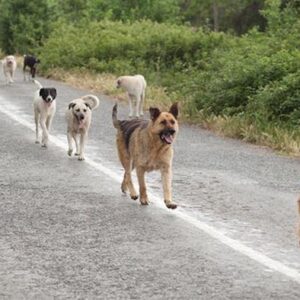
(67, 232)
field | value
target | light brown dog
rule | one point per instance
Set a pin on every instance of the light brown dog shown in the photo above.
(147, 145)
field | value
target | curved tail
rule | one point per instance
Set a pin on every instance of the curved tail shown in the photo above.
(115, 120)
(38, 84)
(91, 100)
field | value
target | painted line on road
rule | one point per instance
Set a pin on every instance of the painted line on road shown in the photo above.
(7, 108)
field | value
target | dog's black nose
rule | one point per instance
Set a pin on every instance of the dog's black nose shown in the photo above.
(172, 131)
(81, 117)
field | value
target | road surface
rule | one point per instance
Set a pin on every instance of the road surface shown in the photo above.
(67, 232)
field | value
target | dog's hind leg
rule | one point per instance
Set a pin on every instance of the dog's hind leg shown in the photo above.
(83, 137)
(142, 99)
(49, 123)
(36, 120)
(137, 105)
(75, 137)
(130, 100)
(128, 180)
(45, 132)
(10, 76)
(69, 137)
(166, 175)
(140, 172)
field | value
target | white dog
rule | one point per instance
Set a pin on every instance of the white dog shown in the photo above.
(79, 117)
(135, 87)
(44, 111)
(9, 66)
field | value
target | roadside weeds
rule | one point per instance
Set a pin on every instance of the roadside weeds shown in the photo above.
(285, 142)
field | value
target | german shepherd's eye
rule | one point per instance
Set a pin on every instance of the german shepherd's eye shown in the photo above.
(78, 110)
(164, 122)
(84, 110)
(172, 122)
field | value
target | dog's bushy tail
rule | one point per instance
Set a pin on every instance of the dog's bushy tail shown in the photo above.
(115, 120)
(92, 101)
(38, 84)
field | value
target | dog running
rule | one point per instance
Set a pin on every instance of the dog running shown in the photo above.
(9, 66)
(79, 117)
(136, 88)
(146, 145)
(44, 106)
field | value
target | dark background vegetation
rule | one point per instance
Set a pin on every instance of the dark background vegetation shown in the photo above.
(224, 58)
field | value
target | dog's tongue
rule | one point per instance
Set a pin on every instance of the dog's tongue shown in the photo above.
(168, 138)
(81, 124)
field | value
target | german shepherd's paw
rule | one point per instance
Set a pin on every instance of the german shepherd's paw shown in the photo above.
(144, 201)
(171, 205)
(134, 197)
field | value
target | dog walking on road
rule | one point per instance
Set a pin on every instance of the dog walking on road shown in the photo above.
(146, 145)
(79, 117)
(44, 105)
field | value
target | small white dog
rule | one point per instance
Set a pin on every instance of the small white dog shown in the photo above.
(79, 117)
(44, 110)
(135, 87)
(9, 66)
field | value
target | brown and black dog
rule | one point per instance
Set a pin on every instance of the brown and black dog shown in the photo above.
(147, 145)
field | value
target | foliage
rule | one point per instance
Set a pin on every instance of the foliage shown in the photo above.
(22, 25)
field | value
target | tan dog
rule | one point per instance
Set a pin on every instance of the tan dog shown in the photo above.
(136, 89)
(147, 145)
(79, 117)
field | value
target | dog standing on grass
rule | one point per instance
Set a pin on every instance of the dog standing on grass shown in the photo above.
(147, 145)
(44, 106)
(136, 88)
(9, 66)
(79, 117)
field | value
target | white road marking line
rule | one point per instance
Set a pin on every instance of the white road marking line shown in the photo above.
(8, 109)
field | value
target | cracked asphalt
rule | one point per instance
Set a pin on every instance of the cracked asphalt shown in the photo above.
(67, 232)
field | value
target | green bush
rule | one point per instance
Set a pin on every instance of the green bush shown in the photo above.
(253, 77)
(121, 47)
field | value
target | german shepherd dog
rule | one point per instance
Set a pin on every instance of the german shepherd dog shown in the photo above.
(147, 145)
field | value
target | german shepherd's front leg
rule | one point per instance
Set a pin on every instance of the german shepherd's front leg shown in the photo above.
(166, 176)
(140, 172)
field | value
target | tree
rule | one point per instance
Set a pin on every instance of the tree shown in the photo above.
(23, 25)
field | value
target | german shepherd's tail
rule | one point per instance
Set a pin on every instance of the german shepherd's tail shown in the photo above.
(115, 120)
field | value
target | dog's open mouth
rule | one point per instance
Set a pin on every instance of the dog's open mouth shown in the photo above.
(167, 136)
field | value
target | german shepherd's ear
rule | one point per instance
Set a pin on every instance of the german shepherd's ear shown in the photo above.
(71, 105)
(154, 113)
(174, 110)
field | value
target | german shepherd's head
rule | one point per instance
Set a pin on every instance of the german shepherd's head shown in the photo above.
(164, 124)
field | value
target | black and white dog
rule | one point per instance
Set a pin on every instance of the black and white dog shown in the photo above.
(31, 62)
(44, 106)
